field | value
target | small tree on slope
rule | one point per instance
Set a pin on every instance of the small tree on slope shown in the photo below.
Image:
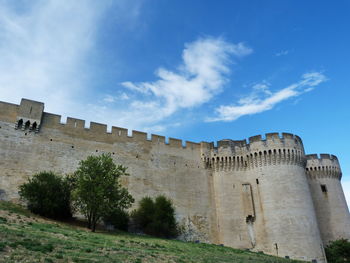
(97, 189)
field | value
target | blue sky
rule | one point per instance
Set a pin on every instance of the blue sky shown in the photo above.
(195, 70)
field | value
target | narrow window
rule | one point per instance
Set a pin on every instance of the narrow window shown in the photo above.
(27, 125)
(324, 188)
(249, 219)
(257, 181)
(20, 123)
(276, 247)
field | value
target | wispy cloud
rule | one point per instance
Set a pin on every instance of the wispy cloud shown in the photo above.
(43, 49)
(262, 99)
(112, 99)
(201, 75)
(46, 50)
(282, 53)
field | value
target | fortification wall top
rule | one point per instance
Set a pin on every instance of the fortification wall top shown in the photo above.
(8, 112)
(284, 149)
(325, 165)
(257, 143)
(98, 132)
(33, 111)
(322, 157)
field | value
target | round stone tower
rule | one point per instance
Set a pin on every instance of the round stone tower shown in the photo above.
(324, 175)
(262, 196)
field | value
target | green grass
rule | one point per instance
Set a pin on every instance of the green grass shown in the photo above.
(27, 238)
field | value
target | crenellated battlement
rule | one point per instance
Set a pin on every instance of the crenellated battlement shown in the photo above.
(30, 116)
(251, 153)
(99, 132)
(321, 157)
(325, 165)
(257, 142)
(275, 149)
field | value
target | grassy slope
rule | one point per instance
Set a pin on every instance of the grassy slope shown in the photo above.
(27, 238)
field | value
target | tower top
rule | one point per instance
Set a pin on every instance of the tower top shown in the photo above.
(30, 114)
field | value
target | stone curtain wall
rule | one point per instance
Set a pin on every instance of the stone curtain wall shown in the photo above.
(155, 167)
(263, 194)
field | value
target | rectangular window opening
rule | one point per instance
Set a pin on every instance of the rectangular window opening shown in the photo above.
(257, 181)
(324, 188)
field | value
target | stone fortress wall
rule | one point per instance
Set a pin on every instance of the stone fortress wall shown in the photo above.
(265, 195)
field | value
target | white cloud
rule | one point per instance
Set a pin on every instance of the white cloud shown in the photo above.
(46, 48)
(43, 49)
(202, 75)
(262, 99)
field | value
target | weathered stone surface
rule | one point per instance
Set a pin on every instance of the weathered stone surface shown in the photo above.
(264, 194)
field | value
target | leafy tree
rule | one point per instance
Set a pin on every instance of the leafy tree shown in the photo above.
(97, 189)
(338, 251)
(47, 194)
(156, 217)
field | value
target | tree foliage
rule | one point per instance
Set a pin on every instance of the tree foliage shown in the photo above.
(97, 190)
(157, 217)
(47, 194)
(118, 217)
(338, 251)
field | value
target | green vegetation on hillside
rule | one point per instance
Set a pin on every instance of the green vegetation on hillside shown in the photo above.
(338, 251)
(156, 218)
(93, 190)
(25, 237)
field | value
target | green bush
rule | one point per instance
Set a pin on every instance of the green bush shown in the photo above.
(338, 251)
(156, 218)
(47, 194)
(119, 218)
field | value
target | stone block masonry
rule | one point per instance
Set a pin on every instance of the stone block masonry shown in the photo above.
(263, 194)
